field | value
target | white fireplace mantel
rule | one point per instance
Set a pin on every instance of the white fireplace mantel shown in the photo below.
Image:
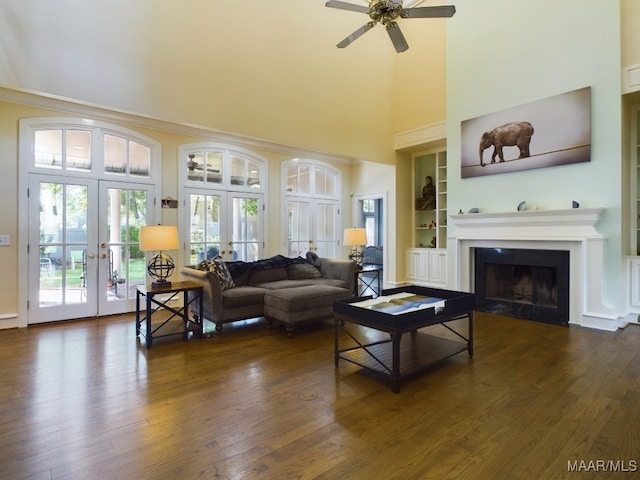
(574, 230)
(570, 224)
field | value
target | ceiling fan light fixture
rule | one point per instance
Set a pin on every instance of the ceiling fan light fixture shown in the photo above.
(386, 12)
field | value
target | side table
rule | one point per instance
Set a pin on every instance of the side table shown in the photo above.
(367, 276)
(160, 329)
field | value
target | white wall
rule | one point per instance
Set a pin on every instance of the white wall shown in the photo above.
(505, 53)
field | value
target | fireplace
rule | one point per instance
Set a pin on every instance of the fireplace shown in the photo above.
(573, 230)
(524, 283)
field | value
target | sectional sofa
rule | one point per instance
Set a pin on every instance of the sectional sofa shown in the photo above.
(281, 289)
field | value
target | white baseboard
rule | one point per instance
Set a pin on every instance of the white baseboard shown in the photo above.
(8, 320)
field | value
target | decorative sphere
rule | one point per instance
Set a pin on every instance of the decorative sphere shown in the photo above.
(161, 266)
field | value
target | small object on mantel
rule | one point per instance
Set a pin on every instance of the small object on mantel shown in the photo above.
(460, 212)
(522, 206)
(575, 204)
(474, 210)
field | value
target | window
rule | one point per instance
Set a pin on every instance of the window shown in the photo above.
(224, 192)
(66, 148)
(371, 212)
(312, 208)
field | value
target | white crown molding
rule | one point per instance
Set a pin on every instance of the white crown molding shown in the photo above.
(631, 79)
(421, 137)
(98, 112)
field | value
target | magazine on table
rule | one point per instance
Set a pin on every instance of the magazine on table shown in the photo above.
(399, 303)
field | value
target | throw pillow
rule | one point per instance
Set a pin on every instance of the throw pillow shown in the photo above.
(219, 268)
(313, 259)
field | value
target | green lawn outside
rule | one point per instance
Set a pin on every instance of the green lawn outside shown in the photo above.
(51, 277)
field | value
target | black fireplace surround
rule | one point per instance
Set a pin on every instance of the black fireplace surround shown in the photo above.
(523, 283)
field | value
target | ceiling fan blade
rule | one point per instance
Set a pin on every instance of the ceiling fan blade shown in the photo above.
(355, 35)
(429, 12)
(397, 38)
(346, 6)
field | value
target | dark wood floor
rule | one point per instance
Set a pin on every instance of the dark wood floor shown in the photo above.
(85, 400)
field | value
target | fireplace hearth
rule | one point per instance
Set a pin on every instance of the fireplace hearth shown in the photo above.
(532, 284)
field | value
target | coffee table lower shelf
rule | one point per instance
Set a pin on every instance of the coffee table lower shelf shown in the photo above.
(416, 351)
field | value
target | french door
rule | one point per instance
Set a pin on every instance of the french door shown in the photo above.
(228, 224)
(312, 225)
(83, 256)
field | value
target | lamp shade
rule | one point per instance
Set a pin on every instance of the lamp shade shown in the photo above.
(159, 237)
(355, 236)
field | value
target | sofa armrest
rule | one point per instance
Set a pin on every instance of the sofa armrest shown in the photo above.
(212, 290)
(339, 269)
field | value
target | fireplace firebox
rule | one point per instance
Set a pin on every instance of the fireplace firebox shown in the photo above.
(523, 283)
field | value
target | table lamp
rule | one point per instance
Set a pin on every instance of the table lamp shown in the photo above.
(159, 238)
(355, 237)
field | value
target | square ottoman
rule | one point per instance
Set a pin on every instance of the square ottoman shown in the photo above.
(291, 306)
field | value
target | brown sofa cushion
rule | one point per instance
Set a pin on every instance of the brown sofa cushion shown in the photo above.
(242, 296)
(302, 271)
(257, 277)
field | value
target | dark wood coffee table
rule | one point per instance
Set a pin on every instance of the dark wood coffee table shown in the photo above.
(397, 357)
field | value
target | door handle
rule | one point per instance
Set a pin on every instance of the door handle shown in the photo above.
(103, 255)
(91, 255)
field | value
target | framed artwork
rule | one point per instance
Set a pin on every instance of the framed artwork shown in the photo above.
(546, 133)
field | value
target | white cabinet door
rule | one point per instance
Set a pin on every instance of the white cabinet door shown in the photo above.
(417, 264)
(437, 266)
(427, 266)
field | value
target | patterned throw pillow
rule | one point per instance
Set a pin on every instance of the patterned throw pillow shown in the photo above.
(217, 266)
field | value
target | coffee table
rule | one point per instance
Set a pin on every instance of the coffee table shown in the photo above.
(401, 355)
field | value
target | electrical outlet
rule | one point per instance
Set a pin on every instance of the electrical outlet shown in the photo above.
(5, 240)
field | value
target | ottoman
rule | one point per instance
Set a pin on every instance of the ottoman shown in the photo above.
(291, 306)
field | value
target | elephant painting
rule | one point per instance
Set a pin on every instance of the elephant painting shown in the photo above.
(508, 135)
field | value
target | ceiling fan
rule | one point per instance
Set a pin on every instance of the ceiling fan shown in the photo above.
(387, 12)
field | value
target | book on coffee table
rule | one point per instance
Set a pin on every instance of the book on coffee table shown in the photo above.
(399, 303)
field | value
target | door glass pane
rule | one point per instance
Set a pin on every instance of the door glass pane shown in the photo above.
(291, 182)
(331, 183)
(63, 239)
(195, 167)
(125, 267)
(198, 169)
(115, 154)
(139, 160)
(253, 178)
(298, 234)
(321, 183)
(304, 179)
(325, 182)
(48, 148)
(204, 235)
(78, 150)
(298, 179)
(326, 234)
(214, 167)
(245, 229)
(237, 170)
